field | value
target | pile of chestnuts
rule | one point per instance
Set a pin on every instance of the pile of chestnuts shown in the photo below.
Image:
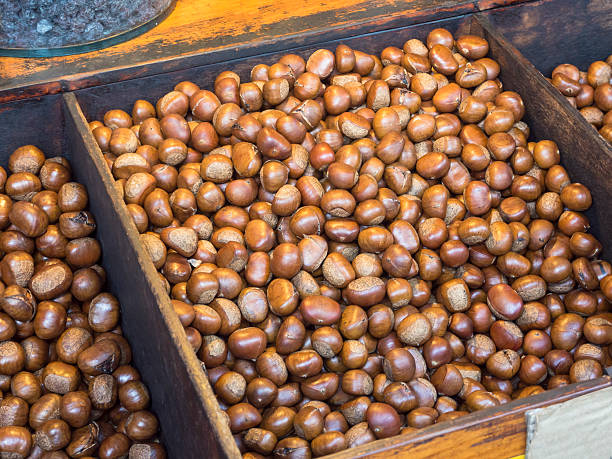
(67, 387)
(362, 246)
(590, 92)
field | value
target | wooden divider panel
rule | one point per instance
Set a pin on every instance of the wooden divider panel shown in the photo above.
(191, 422)
(493, 433)
(584, 153)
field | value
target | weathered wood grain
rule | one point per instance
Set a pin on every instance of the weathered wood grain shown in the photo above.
(553, 32)
(20, 124)
(95, 101)
(198, 33)
(493, 433)
(584, 153)
(189, 414)
(190, 419)
(497, 433)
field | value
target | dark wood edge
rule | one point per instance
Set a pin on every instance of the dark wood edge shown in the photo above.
(584, 153)
(211, 416)
(95, 100)
(480, 25)
(480, 22)
(496, 415)
(248, 49)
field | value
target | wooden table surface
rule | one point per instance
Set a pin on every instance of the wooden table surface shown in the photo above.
(206, 31)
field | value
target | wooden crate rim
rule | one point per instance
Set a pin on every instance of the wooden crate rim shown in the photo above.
(215, 50)
(478, 23)
(221, 433)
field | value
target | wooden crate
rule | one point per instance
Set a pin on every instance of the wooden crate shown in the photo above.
(496, 433)
(181, 396)
(190, 417)
(540, 32)
(198, 33)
